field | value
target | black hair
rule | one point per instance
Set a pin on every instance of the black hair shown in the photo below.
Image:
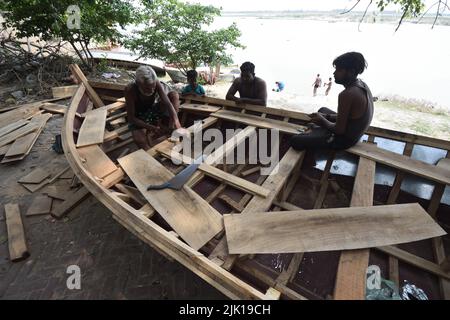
(248, 67)
(191, 74)
(351, 61)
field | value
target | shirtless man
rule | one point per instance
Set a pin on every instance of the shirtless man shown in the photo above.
(148, 101)
(252, 90)
(316, 84)
(343, 129)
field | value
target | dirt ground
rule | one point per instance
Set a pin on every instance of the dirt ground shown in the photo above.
(114, 264)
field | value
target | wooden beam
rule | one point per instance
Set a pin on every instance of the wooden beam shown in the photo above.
(199, 108)
(399, 176)
(324, 181)
(401, 162)
(16, 236)
(257, 121)
(415, 261)
(230, 179)
(78, 74)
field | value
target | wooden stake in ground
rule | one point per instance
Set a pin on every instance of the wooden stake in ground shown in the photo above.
(16, 236)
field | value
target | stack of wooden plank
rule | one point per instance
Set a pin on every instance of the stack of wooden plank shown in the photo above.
(19, 130)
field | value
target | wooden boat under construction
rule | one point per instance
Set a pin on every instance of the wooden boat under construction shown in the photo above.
(188, 225)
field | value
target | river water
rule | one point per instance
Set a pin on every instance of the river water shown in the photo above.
(413, 63)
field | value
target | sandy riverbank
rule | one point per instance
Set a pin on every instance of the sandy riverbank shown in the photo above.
(398, 114)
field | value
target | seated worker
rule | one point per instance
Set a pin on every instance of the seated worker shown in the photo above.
(280, 86)
(343, 129)
(252, 90)
(148, 101)
(193, 87)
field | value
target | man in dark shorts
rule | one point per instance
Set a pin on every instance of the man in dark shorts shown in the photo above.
(252, 90)
(148, 102)
(341, 130)
(316, 84)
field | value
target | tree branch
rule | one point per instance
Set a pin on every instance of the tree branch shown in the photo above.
(351, 7)
(364, 15)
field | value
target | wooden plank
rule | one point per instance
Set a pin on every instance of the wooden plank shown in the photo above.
(55, 169)
(76, 71)
(401, 162)
(107, 85)
(232, 203)
(92, 130)
(21, 145)
(13, 126)
(351, 274)
(414, 260)
(112, 178)
(287, 275)
(328, 229)
(16, 236)
(250, 171)
(16, 134)
(112, 135)
(58, 192)
(230, 179)
(111, 99)
(4, 149)
(269, 110)
(399, 176)
(274, 182)
(72, 201)
(257, 121)
(27, 145)
(96, 161)
(133, 193)
(40, 205)
(35, 176)
(408, 137)
(221, 153)
(188, 214)
(22, 112)
(54, 108)
(199, 107)
(324, 181)
(64, 92)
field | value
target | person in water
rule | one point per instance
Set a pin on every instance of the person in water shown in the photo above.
(343, 129)
(316, 84)
(193, 88)
(148, 102)
(252, 90)
(328, 85)
(280, 86)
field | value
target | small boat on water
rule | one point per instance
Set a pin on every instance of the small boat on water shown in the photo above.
(187, 225)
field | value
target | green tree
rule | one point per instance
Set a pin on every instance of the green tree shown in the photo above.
(178, 33)
(48, 19)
